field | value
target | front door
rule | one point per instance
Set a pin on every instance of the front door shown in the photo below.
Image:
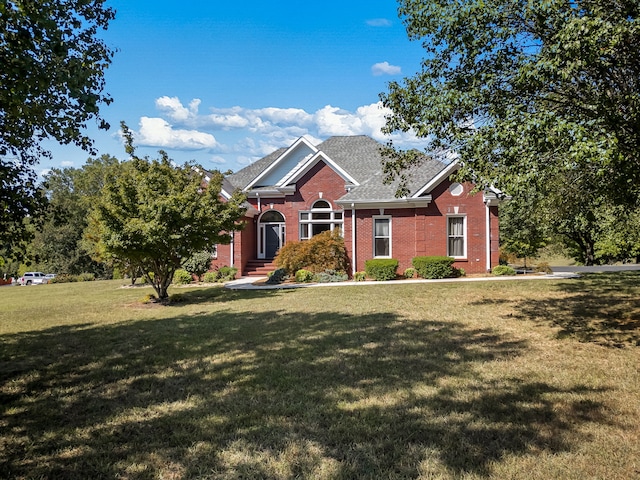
(272, 239)
(271, 234)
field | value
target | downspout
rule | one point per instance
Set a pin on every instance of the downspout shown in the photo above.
(488, 235)
(354, 262)
(232, 245)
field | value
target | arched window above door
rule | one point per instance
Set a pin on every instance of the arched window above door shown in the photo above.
(321, 205)
(272, 216)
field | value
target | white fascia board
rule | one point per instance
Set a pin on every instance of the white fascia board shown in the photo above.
(395, 203)
(225, 194)
(294, 176)
(280, 159)
(435, 181)
(279, 192)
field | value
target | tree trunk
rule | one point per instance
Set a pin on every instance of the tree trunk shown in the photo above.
(161, 282)
(589, 253)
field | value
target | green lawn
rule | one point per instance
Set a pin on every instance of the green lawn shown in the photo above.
(504, 380)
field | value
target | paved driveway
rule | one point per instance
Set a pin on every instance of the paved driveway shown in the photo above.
(598, 268)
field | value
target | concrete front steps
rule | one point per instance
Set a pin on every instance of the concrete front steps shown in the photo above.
(258, 268)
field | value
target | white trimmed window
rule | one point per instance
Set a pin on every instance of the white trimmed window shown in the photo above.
(319, 219)
(382, 237)
(457, 236)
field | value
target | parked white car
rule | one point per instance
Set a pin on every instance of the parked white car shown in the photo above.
(33, 278)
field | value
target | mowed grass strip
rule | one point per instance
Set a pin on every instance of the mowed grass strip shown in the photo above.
(458, 380)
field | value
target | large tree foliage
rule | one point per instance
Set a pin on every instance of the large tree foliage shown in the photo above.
(575, 214)
(155, 215)
(521, 232)
(51, 85)
(59, 245)
(20, 198)
(521, 91)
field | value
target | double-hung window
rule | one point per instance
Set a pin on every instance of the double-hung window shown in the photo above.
(457, 236)
(382, 237)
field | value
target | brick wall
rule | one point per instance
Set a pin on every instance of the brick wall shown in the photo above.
(415, 231)
(423, 231)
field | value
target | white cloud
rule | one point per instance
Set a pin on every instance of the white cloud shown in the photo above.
(384, 68)
(66, 163)
(379, 22)
(335, 121)
(175, 110)
(245, 135)
(157, 132)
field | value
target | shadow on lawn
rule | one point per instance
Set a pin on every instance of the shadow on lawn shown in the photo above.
(602, 308)
(273, 395)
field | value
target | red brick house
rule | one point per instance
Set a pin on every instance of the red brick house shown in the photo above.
(299, 191)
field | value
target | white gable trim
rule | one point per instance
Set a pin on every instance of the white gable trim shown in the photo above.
(281, 159)
(435, 181)
(298, 172)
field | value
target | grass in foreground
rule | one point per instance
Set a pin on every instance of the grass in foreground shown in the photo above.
(518, 379)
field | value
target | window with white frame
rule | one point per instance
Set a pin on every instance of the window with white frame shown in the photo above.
(382, 236)
(319, 219)
(457, 236)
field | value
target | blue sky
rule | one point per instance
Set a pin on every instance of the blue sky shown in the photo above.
(225, 83)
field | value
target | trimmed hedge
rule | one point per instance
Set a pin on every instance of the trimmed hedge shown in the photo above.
(381, 269)
(503, 270)
(304, 276)
(227, 274)
(409, 273)
(210, 277)
(434, 267)
(182, 277)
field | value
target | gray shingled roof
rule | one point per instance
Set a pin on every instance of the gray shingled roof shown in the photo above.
(375, 189)
(361, 157)
(243, 177)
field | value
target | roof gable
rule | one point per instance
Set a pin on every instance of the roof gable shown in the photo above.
(444, 174)
(303, 167)
(292, 158)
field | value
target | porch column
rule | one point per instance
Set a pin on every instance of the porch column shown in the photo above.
(488, 235)
(354, 260)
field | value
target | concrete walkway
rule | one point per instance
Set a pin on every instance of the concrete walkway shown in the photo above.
(247, 283)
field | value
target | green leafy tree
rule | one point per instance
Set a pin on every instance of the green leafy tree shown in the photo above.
(155, 215)
(21, 201)
(51, 86)
(620, 237)
(59, 243)
(523, 91)
(521, 232)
